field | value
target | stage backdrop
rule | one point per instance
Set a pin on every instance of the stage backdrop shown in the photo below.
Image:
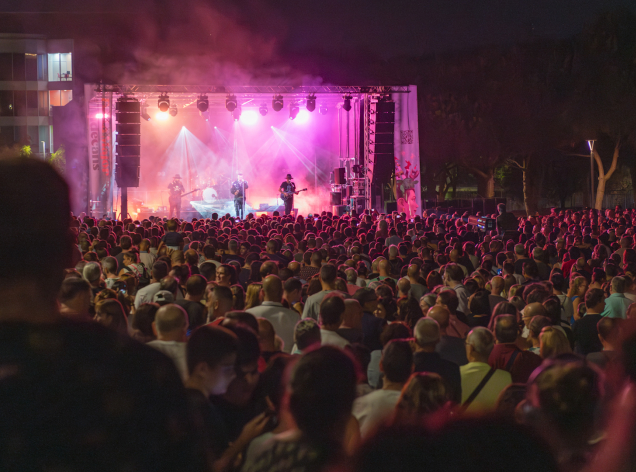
(100, 171)
(407, 189)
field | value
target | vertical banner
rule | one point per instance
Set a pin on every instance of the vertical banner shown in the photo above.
(100, 145)
(407, 187)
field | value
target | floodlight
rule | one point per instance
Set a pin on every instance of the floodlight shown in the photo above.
(202, 103)
(263, 109)
(311, 102)
(164, 102)
(277, 103)
(173, 109)
(293, 110)
(236, 113)
(347, 103)
(231, 103)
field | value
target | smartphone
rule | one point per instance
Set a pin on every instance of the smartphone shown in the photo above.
(499, 271)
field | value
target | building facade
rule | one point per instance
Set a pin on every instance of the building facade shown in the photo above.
(36, 74)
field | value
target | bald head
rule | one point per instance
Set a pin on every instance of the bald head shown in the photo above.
(427, 333)
(534, 309)
(413, 271)
(294, 267)
(439, 314)
(404, 286)
(171, 322)
(272, 289)
(506, 329)
(383, 267)
(454, 255)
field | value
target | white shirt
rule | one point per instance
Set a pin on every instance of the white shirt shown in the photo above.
(146, 294)
(147, 259)
(331, 338)
(373, 409)
(312, 306)
(472, 374)
(176, 351)
(282, 319)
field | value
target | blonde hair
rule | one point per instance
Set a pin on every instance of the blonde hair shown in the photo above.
(575, 285)
(553, 342)
(423, 393)
(252, 297)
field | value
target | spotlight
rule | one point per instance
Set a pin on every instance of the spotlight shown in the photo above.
(236, 113)
(173, 110)
(202, 103)
(231, 103)
(164, 102)
(263, 109)
(347, 103)
(277, 103)
(311, 102)
(144, 113)
(323, 109)
(293, 110)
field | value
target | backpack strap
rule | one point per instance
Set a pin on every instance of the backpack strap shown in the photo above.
(478, 389)
(511, 361)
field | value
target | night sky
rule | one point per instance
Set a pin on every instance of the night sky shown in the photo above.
(268, 40)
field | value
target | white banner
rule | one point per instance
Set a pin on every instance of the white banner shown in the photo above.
(407, 188)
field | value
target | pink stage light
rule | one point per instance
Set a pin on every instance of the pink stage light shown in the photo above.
(162, 116)
(99, 116)
(303, 117)
(249, 117)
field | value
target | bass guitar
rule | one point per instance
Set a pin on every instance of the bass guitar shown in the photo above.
(287, 195)
(176, 199)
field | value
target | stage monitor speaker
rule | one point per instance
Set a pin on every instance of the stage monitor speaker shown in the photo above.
(336, 198)
(339, 210)
(339, 176)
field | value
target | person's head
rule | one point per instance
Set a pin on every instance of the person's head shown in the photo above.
(427, 301)
(307, 334)
(272, 289)
(352, 317)
(552, 342)
(562, 400)
(225, 275)
(608, 332)
(397, 361)
(32, 187)
(440, 314)
(331, 310)
(292, 290)
(141, 322)
(211, 356)
(453, 274)
(448, 299)
(423, 394)
(241, 318)
(386, 308)
(479, 344)
(506, 329)
(240, 390)
(171, 323)
(427, 333)
(322, 389)
(595, 300)
(75, 297)
(619, 285)
(536, 324)
(111, 314)
(219, 301)
(328, 274)
(578, 287)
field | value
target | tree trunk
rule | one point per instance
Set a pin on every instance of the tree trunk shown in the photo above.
(486, 183)
(604, 177)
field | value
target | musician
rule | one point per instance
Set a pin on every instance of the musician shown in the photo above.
(288, 190)
(176, 189)
(238, 190)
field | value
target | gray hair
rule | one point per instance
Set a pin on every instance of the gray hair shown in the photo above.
(92, 272)
(619, 284)
(109, 263)
(482, 340)
(351, 275)
(426, 331)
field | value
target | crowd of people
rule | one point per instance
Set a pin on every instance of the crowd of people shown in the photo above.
(355, 343)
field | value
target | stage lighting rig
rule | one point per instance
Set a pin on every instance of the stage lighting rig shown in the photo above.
(311, 102)
(236, 113)
(323, 109)
(293, 110)
(277, 103)
(231, 103)
(202, 103)
(347, 103)
(144, 112)
(263, 109)
(164, 102)
(173, 110)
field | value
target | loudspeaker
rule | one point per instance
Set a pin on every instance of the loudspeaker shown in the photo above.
(128, 142)
(339, 176)
(336, 198)
(339, 210)
(357, 204)
(127, 176)
(390, 207)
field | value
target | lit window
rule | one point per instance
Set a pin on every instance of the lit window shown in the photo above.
(60, 67)
(59, 98)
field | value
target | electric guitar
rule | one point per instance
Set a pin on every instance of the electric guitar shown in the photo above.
(176, 199)
(287, 195)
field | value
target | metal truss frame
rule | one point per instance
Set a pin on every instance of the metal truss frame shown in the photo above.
(252, 89)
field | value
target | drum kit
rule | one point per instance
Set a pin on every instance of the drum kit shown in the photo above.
(216, 188)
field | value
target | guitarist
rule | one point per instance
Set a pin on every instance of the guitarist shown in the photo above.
(238, 190)
(176, 189)
(288, 190)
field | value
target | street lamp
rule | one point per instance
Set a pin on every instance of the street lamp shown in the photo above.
(590, 144)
